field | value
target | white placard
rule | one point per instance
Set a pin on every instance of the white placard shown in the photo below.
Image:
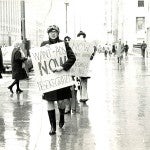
(44, 60)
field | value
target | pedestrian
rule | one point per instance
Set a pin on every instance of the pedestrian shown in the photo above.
(143, 48)
(18, 72)
(126, 48)
(72, 103)
(109, 50)
(1, 64)
(114, 49)
(105, 51)
(61, 94)
(83, 80)
(119, 52)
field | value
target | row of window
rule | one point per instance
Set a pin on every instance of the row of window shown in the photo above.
(140, 21)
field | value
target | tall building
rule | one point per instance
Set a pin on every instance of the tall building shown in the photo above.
(111, 20)
(148, 27)
(129, 20)
(10, 23)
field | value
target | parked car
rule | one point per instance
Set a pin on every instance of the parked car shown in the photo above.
(6, 52)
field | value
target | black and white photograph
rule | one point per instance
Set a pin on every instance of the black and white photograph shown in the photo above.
(74, 74)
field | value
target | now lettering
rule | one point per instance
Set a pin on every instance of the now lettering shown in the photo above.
(46, 67)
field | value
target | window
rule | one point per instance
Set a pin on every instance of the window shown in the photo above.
(140, 23)
(140, 3)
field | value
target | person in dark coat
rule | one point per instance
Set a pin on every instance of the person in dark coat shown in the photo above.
(126, 48)
(61, 94)
(1, 63)
(18, 72)
(72, 103)
(143, 48)
(114, 49)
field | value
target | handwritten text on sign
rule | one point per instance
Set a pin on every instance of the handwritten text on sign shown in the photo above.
(83, 51)
(44, 60)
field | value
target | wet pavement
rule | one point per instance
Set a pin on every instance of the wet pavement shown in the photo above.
(116, 117)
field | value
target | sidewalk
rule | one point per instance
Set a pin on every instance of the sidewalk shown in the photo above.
(24, 123)
(116, 117)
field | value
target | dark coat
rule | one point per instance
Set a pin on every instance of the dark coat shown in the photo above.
(64, 93)
(113, 49)
(18, 72)
(1, 62)
(126, 47)
(143, 46)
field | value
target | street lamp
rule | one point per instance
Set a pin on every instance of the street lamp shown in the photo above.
(66, 4)
(23, 32)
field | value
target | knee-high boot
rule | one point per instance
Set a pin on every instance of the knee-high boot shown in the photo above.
(61, 121)
(52, 118)
(18, 90)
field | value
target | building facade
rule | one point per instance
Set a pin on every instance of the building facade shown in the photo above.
(10, 24)
(129, 20)
(9, 21)
(148, 27)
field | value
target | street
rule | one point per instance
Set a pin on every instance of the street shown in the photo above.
(116, 116)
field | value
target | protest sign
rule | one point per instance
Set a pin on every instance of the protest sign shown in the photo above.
(44, 60)
(83, 51)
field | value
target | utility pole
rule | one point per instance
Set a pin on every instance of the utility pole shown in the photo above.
(23, 29)
(67, 4)
(23, 33)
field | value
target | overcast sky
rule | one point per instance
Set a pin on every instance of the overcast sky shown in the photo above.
(86, 15)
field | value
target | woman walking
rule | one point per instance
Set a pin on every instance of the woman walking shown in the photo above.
(61, 94)
(18, 72)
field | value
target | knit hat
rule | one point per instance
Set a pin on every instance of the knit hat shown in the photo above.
(53, 27)
(81, 33)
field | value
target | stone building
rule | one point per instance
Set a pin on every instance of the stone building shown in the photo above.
(128, 20)
(10, 23)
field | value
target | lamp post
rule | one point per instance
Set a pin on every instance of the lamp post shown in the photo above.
(23, 29)
(23, 32)
(66, 4)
